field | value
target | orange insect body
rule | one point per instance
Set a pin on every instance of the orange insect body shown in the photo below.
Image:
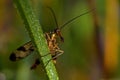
(52, 42)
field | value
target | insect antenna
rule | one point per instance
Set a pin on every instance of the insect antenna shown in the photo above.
(53, 16)
(61, 27)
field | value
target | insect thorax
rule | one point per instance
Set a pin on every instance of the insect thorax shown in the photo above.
(52, 43)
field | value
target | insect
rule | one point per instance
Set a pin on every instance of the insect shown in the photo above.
(52, 42)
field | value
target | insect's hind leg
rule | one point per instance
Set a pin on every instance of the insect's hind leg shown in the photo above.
(45, 55)
(55, 56)
(37, 62)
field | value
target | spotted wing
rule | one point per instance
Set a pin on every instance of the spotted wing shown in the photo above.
(22, 51)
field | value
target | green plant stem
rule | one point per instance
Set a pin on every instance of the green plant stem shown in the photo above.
(35, 31)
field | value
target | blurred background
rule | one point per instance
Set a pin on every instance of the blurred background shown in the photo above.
(91, 46)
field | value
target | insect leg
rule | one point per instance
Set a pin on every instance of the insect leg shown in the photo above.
(55, 56)
(45, 55)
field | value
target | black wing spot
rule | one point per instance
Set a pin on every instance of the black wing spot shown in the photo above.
(22, 48)
(12, 57)
(31, 49)
(37, 62)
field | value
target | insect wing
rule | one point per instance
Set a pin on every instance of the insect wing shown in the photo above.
(22, 51)
(36, 63)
